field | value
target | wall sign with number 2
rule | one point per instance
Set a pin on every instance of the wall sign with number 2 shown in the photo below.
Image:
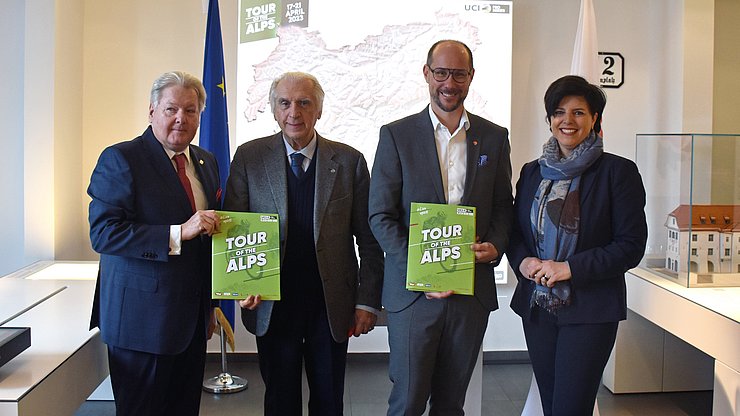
(612, 69)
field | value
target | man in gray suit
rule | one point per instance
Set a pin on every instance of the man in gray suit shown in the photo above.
(319, 189)
(442, 155)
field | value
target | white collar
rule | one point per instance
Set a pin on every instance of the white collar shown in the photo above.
(464, 121)
(307, 151)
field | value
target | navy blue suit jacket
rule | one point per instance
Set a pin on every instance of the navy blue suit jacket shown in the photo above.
(148, 300)
(611, 239)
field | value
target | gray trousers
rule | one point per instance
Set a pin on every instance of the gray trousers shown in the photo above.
(434, 344)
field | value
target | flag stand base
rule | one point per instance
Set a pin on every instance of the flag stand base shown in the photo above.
(225, 383)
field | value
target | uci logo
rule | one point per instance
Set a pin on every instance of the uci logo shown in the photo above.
(487, 8)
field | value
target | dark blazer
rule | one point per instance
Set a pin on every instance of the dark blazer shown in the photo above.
(148, 300)
(611, 239)
(258, 183)
(406, 170)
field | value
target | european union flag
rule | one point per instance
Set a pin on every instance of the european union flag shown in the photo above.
(214, 126)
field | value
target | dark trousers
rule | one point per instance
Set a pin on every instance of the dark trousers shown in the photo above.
(434, 347)
(568, 362)
(291, 340)
(147, 384)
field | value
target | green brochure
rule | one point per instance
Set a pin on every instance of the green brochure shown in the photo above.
(439, 257)
(246, 256)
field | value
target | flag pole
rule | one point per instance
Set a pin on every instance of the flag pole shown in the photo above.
(214, 137)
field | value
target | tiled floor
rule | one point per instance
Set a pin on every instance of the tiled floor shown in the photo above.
(505, 388)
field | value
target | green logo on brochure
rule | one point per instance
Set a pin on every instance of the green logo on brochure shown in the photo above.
(260, 19)
(439, 254)
(246, 256)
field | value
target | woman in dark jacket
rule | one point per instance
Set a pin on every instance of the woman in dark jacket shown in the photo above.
(579, 226)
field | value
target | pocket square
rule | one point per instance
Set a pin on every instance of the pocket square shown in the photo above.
(482, 160)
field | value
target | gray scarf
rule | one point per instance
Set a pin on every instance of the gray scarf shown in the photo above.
(555, 212)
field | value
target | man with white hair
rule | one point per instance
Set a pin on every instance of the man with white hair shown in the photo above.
(319, 189)
(151, 218)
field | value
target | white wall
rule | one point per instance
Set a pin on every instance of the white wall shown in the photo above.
(38, 132)
(649, 100)
(11, 118)
(647, 34)
(96, 61)
(67, 133)
(726, 64)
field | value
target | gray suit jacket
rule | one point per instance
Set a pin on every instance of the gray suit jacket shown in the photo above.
(406, 170)
(258, 183)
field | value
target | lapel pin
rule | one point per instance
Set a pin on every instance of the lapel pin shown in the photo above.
(475, 142)
(333, 170)
(201, 162)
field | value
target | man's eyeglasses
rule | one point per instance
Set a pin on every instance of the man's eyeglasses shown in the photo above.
(441, 74)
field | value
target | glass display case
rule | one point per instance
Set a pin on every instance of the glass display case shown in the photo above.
(692, 183)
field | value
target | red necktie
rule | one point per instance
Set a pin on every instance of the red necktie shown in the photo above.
(180, 161)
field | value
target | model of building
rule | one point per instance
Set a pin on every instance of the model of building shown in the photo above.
(711, 232)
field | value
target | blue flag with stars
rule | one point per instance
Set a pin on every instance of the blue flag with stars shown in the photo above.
(214, 128)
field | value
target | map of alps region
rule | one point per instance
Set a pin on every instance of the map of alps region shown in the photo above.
(369, 59)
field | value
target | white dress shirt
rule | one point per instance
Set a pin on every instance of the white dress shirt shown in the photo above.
(452, 150)
(307, 151)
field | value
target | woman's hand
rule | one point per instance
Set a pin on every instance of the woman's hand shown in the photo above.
(530, 266)
(552, 271)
